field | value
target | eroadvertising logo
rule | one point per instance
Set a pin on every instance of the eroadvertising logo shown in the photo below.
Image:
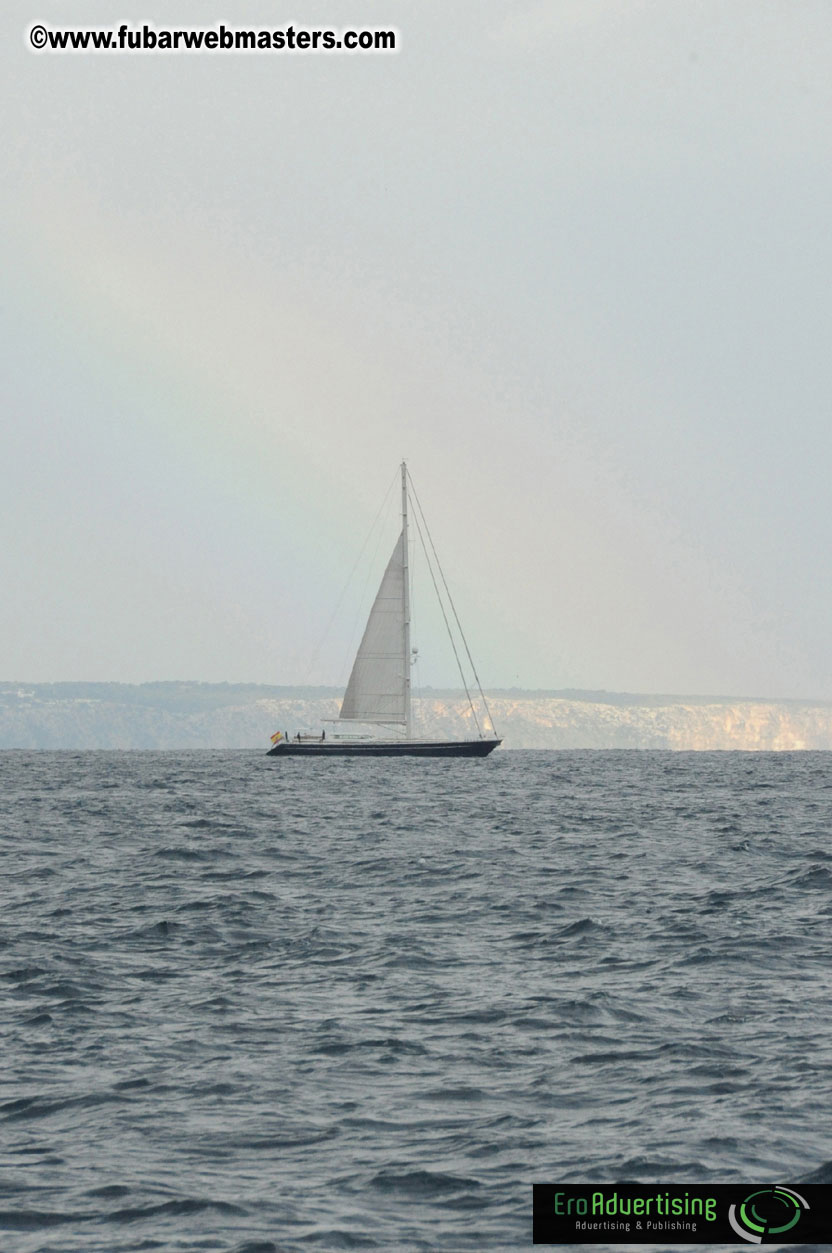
(694, 1213)
(769, 1212)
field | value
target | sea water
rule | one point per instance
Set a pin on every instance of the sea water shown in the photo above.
(254, 1004)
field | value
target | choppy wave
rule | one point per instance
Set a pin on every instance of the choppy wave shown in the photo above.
(257, 1006)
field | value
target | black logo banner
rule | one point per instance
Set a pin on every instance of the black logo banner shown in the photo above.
(682, 1213)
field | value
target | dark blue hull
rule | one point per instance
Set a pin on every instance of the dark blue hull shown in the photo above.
(380, 748)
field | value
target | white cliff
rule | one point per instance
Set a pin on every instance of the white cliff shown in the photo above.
(204, 715)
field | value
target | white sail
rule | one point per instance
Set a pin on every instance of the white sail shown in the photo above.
(376, 691)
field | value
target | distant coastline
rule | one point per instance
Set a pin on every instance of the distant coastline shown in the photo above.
(183, 715)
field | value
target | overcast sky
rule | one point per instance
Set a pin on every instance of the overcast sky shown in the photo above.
(571, 258)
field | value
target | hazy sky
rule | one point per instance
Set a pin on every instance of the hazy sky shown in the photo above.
(571, 258)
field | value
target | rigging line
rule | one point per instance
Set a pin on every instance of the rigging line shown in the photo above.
(444, 615)
(451, 602)
(314, 657)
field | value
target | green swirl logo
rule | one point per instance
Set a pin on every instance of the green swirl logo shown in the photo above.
(767, 1214)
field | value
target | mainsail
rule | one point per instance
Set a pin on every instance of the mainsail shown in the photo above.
(376, 691)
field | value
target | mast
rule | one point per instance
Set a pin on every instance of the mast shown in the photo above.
(408, 727)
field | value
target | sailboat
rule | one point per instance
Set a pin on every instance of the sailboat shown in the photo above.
(378, 693)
